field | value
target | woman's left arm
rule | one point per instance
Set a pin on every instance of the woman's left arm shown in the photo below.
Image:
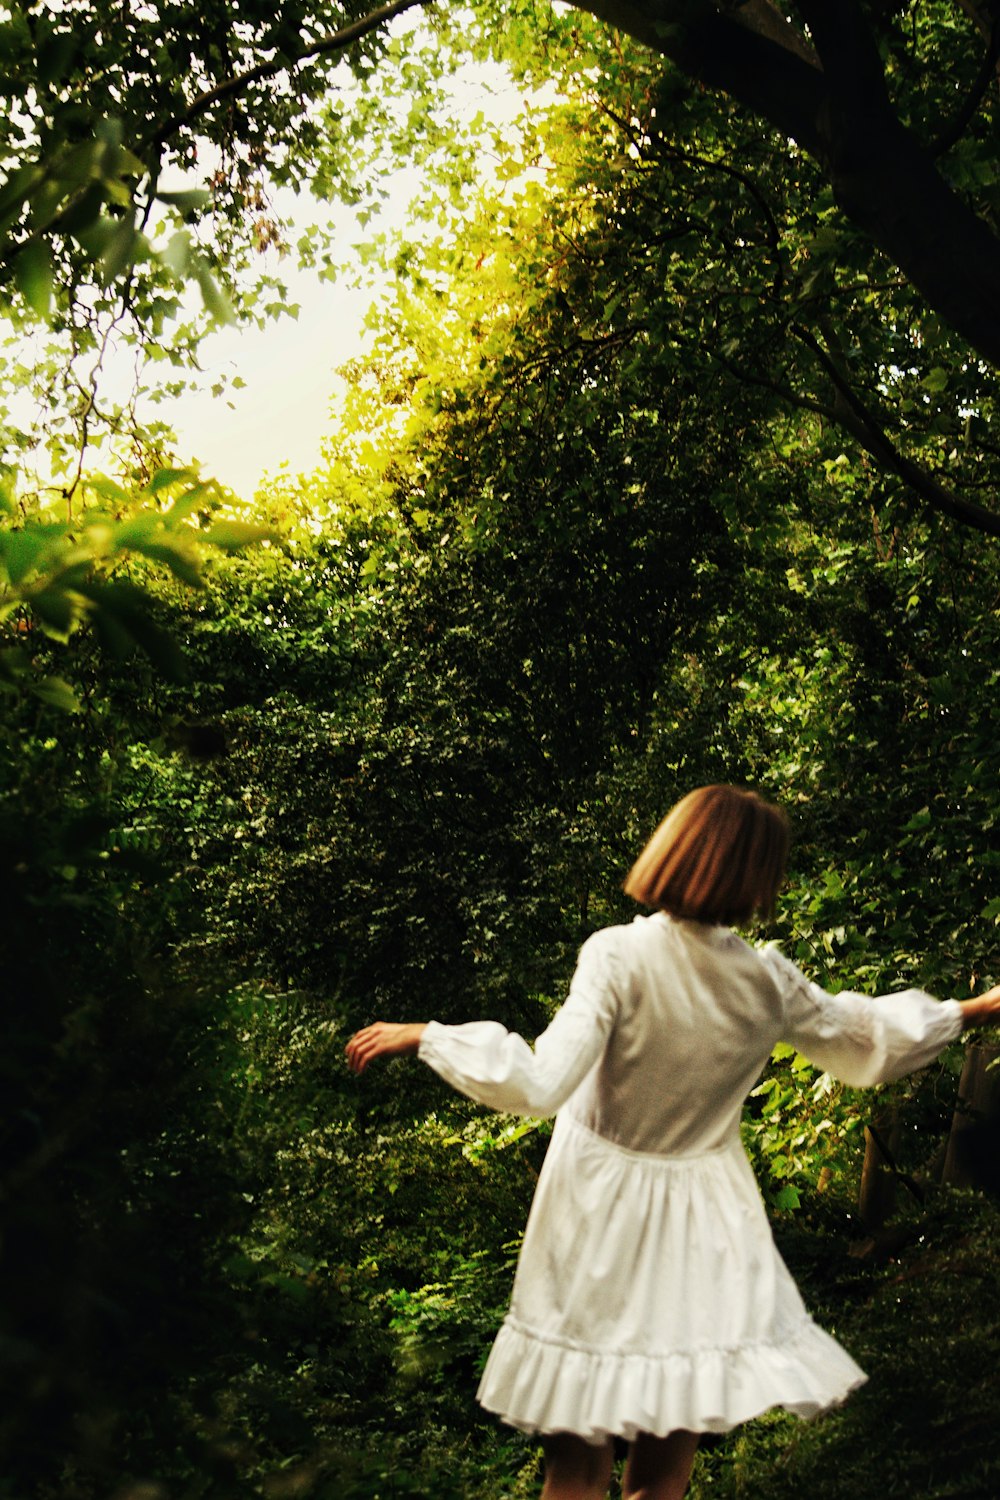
(860, 1039)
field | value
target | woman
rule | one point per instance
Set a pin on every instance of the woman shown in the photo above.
(650, 1302)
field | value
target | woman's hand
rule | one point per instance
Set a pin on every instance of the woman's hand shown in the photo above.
(382, 1039)
(984, 1010)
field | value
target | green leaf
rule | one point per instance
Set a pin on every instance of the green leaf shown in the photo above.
(71, 575)
(185, 505)
(214, 298)
(19, 552)
(108, 489)
(233, 536)
(19, 187)
(81, 164)
(55, 609)
(119, 252)
(14, 664)
(176, 253)
(109, 131)
(126, 164)
(188, 201)
(177, 559)
(34, 278)
(133, 533)
(55, 56)
(117, 192)
(72, 117)
(8, 490)
(115, 638)
(163, 478)
(47, 199)
(58, 693)
(121, 615)
(95, 229)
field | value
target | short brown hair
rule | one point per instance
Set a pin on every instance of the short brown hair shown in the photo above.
(718, 856)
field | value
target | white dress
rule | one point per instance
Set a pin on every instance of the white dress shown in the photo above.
(649, 1293)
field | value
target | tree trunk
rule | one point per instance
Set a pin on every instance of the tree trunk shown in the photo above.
(829, 96)
(973, 1155)
(877, 1197)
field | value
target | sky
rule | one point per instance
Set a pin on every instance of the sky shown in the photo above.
(282, 414)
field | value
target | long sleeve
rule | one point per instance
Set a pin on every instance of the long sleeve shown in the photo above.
(858, 1039)
(497, 1067)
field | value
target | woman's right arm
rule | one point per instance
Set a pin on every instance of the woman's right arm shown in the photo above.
(499, 1068)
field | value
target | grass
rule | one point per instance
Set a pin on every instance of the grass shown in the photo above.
(922, 1319)
(925, 1324)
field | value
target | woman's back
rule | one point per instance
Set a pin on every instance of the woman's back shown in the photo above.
(698, 1013)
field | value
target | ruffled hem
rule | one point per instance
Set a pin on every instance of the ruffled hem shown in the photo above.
(541, 1386)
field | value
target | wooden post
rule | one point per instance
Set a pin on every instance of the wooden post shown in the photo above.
(877, 1197)
(973, 1155)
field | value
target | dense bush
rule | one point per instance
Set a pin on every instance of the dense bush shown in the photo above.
(423, 732)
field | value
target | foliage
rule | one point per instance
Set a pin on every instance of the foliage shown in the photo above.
(57, 575)
(101, 1148)
(776, 265)
(555, 570)
(764, 276)
(139, 156)
(923, 1422)
(359, 731)
(107, 105)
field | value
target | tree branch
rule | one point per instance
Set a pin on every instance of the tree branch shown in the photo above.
(764, 18)
(851, 412)
(883, 179)
(983, 17)
(843, 39)
(953, 132)
(337, 42)
(721, 52)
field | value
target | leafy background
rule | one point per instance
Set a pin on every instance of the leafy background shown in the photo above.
(384, 741)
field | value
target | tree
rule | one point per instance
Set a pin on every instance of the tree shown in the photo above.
(866, 139)
(883, 119)
(569, 564)
(826, 81)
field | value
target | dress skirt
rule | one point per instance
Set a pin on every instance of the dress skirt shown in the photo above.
(650, 1297)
